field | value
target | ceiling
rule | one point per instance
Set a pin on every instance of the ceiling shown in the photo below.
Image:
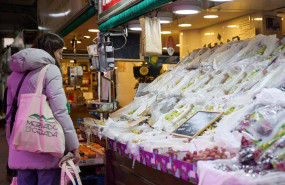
(16, 15)
(225, 11)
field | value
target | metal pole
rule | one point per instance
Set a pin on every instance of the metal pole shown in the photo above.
(99, 86)
(99, 92)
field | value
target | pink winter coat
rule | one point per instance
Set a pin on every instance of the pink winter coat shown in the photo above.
(33, 60)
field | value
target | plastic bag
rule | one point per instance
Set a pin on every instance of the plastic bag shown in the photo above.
(272, 79)
(69, 170)
(151, 38)
(14, 181)
(262, 121)
(225, 172)
(270, 141)
(279, 154)
(271, 96)
(162, 106)
(134, 109)
(208, 174)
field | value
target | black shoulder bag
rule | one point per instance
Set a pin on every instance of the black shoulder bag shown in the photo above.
(14, 108)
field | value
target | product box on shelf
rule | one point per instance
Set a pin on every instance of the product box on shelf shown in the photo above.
(163, 160)
(112, 144)
(91, 161)
(100, 151)
(121, 148)
(72, 72)
(166, 160)
(91, 154)
(147, 158)
(185, 170)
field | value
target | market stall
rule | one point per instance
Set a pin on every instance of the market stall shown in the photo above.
(241, 79)
(92, 157)
(214, 118)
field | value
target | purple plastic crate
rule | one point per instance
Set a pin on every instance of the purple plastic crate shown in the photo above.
(163, 163)
(148, 158)
(121, 148)
(185, 171)
(112, 144)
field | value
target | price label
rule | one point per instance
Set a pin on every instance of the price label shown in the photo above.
(109, 48)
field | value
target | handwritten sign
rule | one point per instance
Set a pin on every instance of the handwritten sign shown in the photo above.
(196, 124)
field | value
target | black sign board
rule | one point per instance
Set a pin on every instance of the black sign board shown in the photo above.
(196, 124)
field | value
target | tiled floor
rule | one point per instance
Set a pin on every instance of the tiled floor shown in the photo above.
(3, 156)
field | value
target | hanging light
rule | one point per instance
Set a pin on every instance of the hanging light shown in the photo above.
(221, 0)
(232, 26)
(185, 25)
(258, 19)
(211, 16)
(209, 33)
(61, 14)
(134, 25)
(93, 30)
(165, 32)
(77, 41)
(185, 8)
(164, 17)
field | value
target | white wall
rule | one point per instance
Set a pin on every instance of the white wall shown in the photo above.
(189, 40)
(244, 27)
(125, 82)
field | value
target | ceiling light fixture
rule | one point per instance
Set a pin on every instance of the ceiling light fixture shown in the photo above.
(165, 32)
(258, 19)
(93, 30)
(221, 0)
(64, 47)
(211, 16)
(232, 26)
(59, 14)
(42, 28)
(185, 25)
(164, 17)
(185, 8)
(134, 25)
(178, 45)
(164, 48)
(211, 33)
(78, 42)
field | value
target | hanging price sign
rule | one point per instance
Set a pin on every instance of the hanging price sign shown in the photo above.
(170, 45)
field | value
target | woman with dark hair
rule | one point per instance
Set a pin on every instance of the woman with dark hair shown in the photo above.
(40, 168)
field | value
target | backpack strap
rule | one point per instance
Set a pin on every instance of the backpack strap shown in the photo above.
(13, 110)
(39, 87)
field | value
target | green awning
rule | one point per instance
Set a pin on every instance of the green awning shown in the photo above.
(129, 14)
(78, 21)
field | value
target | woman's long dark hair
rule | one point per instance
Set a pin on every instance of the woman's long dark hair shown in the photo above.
(49, 42)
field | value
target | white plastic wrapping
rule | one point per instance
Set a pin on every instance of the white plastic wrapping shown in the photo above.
(208, 174)
(227, 79)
